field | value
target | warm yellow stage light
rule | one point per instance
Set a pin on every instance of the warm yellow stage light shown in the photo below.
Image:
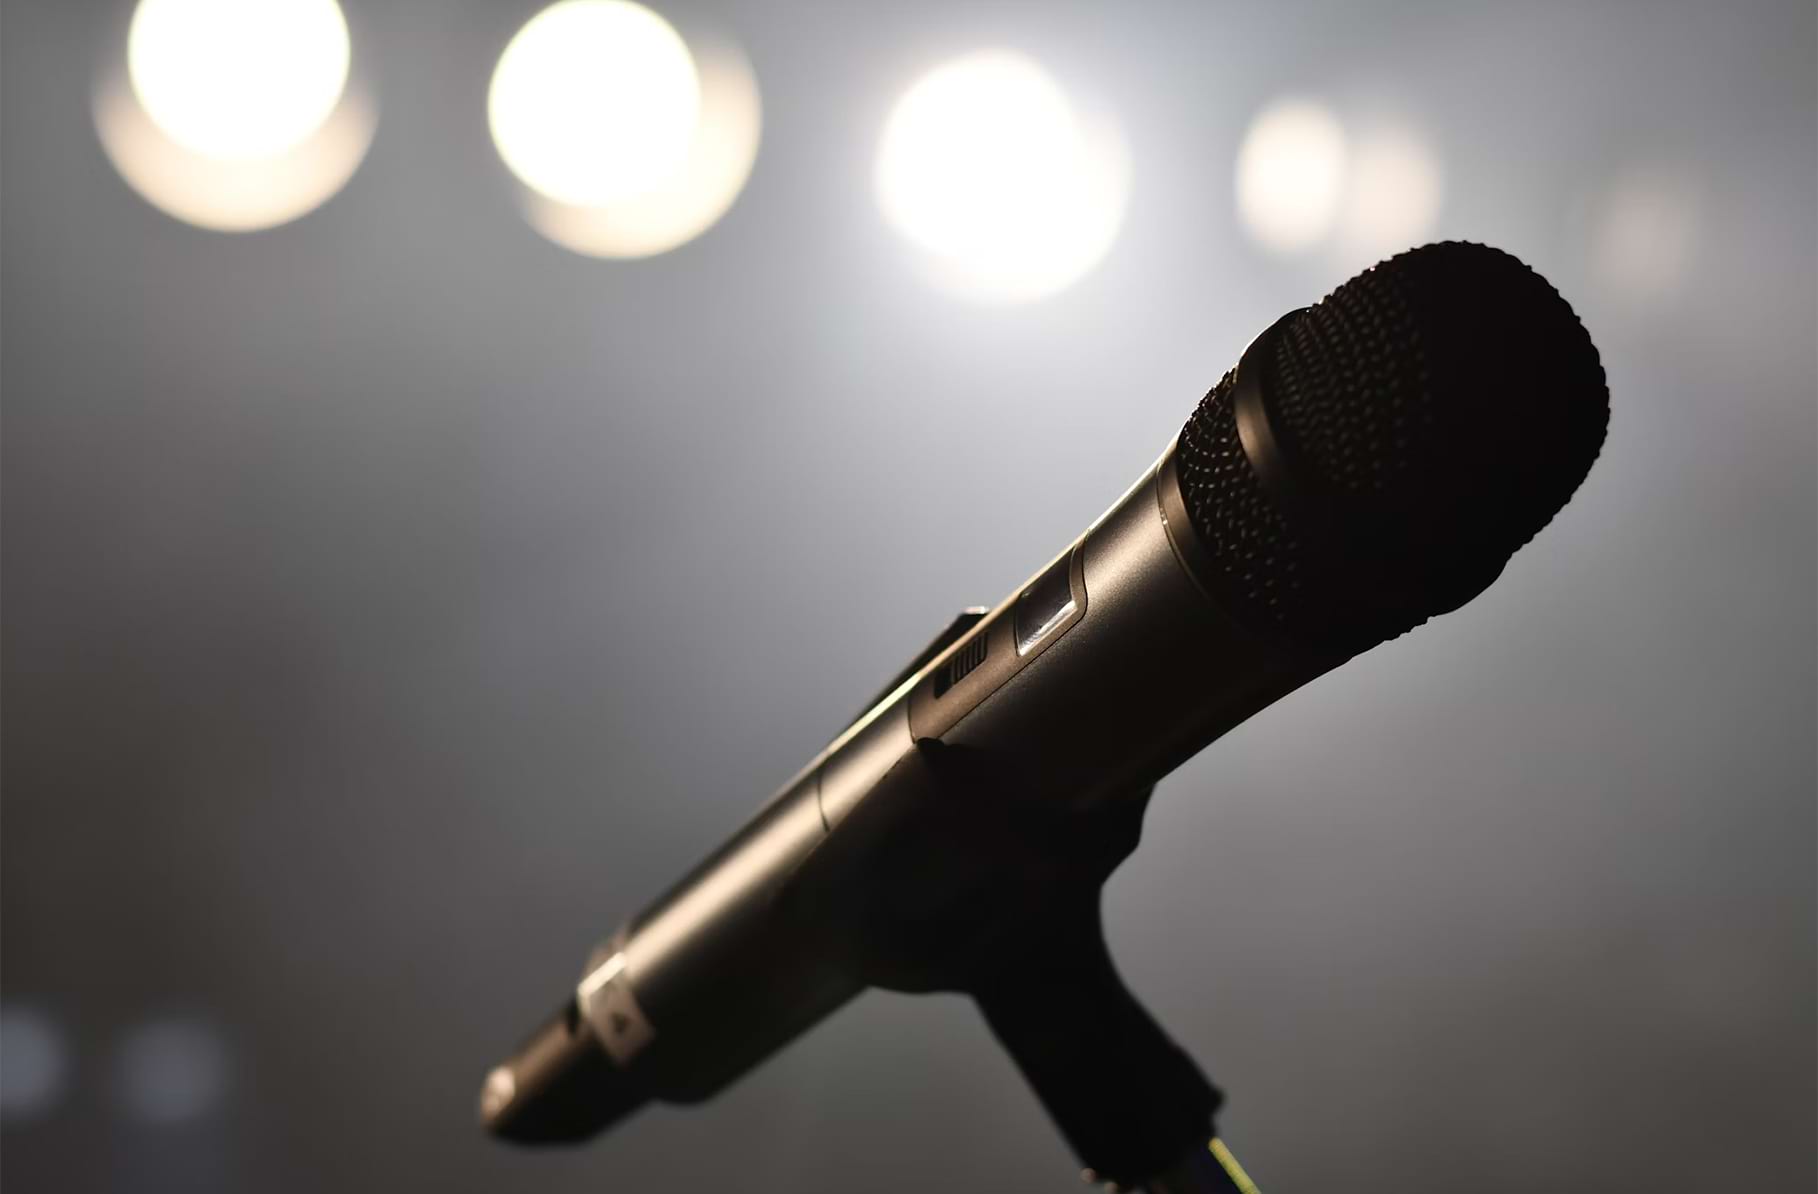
(232, 194)
(594, 101)
(238, 79)
(986, 167)
(693, 197)
(234, 115)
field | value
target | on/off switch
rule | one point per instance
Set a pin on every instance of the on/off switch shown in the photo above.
(999, 646)
(1045, 605)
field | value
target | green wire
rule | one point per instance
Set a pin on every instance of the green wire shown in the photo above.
(1232, 1169)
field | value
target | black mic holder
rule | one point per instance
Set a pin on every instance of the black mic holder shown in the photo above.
(995, 893)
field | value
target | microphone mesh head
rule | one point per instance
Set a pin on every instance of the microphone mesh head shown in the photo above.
(1431, 414)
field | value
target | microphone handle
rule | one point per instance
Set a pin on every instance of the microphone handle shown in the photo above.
(1106, 670)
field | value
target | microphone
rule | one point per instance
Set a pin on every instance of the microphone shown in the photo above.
(1371, 462)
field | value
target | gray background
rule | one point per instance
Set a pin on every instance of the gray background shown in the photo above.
(394, 601)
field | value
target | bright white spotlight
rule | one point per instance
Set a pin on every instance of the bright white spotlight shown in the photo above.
(594, 101)
(692, 197)
(1291, 175)
(238, 78)
(985, 165)
(1394, 192)
(234, 115)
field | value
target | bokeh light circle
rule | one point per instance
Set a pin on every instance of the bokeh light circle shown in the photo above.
(986, 167)
(594, 101)
(1393, 194)
(1645, 231)
(171, 1071)
(238, 78)
(234, 115)
(33, 1064)
(1291, 175)
(693, 197)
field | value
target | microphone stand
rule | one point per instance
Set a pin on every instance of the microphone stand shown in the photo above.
(1132, 1104)
(993, 891)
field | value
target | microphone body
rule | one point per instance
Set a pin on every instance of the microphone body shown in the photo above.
(1255, 555)
(1111, 666)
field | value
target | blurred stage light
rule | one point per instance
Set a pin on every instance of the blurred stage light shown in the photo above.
(33, 1064)
(237, 78)
(628, 142)
(594, 101)
(1644, 229)
(1291, 175)
(1393, 194)
(693, 197)
(171, 1071)
(986, 166)
(1302, 181)
(234, 115)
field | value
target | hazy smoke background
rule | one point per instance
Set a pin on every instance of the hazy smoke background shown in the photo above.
(395, 601)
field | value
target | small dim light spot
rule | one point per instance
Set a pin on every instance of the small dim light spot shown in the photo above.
(1644, 232)
(33, 1064)
(171, 1071)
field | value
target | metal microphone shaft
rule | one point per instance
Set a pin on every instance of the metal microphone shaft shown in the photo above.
(1372, 461)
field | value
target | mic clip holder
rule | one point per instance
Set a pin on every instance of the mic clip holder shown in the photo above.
(974, 884)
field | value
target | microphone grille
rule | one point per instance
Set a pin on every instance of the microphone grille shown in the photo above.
(1430, 415)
